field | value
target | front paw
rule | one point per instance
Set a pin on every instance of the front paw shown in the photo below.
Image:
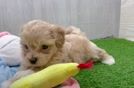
(6, 84)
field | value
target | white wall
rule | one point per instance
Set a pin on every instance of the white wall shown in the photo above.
(127, 20)
(98, 18)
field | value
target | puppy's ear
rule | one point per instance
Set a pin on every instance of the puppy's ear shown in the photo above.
(59, 35)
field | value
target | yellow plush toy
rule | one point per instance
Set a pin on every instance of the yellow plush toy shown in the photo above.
(50, 76)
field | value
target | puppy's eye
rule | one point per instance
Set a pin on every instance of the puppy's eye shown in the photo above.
(44, 47)
(25, 46)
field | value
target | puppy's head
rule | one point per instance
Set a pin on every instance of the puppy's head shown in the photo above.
(40, 42)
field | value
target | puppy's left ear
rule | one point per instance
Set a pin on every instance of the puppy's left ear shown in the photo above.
(59, 35)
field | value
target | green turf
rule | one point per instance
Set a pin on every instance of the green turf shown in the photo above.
(119, 75)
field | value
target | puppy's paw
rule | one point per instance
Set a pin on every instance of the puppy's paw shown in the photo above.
(109, 60)
(6, 84)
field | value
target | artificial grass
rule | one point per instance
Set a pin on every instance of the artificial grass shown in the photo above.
(119, 75)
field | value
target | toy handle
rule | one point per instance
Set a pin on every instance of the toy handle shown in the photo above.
(88, 65)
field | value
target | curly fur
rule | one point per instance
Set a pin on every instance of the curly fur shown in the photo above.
(52, 44)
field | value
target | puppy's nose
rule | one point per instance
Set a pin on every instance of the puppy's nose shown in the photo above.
(33, 60)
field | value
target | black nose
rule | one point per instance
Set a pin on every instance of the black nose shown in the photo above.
(33, 60)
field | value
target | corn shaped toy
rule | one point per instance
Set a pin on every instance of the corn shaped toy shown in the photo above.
(50, 76)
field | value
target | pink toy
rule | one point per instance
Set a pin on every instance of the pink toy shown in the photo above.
(4, 33)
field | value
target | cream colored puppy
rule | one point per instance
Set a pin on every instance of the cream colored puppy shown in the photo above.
(44, 44)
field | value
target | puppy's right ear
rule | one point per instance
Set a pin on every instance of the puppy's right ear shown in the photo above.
(59, 35)
(23, 27)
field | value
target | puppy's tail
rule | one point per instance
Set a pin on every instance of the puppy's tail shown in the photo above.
(73, 30)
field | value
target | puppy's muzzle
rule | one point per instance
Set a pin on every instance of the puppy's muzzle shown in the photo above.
(33, 60)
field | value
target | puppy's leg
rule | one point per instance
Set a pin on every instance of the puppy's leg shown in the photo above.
(17, 76)
(101, 54)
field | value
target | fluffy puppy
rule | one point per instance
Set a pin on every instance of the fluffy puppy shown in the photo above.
(44, 44)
